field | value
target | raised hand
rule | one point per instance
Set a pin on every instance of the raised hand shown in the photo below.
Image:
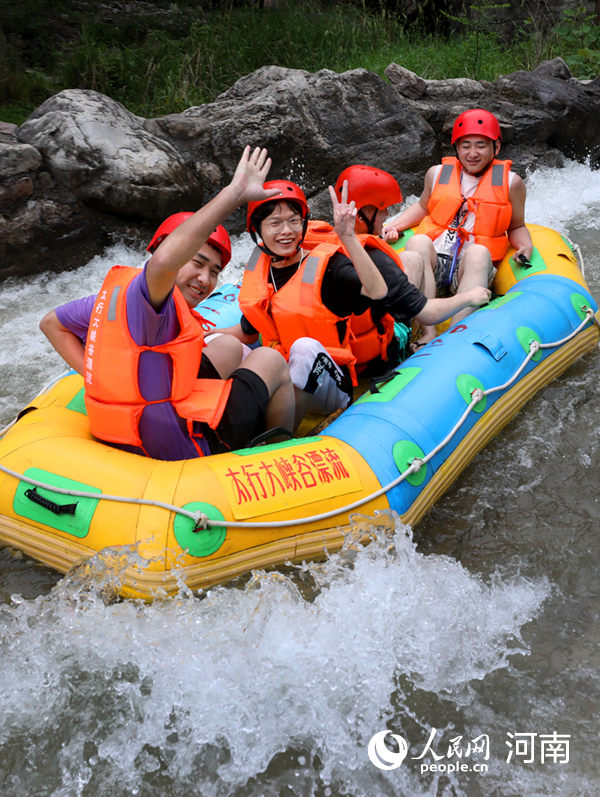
(250, 174)
(344, 213)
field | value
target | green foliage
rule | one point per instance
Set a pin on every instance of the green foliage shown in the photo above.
(581, 34)
(16, 112)
(32, 28)
(160, 74)
(186, 53)
(25, 87)
(477, 23)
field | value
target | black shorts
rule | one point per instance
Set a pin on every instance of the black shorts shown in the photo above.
(244, 415)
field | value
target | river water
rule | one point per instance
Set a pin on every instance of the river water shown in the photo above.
(474, 639)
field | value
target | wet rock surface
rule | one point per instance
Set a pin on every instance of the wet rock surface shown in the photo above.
(83, 169)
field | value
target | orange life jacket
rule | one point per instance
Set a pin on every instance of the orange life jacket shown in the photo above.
(489, 203)
(112, 394)
(296, 309)
(368, 339)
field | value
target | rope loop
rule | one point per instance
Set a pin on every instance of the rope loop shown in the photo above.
(200, 521)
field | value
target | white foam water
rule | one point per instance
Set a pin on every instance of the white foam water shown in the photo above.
(211, 690)
(275, 686)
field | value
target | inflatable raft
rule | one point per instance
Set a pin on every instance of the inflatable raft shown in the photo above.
(64, 496)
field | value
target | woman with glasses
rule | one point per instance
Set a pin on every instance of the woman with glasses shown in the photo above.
(299, 289)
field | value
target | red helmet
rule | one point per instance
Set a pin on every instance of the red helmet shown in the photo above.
(290, 192)
(169, 224)
(219, 238)
(476, 122)
(369, 186)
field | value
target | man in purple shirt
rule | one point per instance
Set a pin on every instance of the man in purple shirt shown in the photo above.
(261, 394)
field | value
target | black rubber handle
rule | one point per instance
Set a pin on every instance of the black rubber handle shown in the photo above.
(58, 509)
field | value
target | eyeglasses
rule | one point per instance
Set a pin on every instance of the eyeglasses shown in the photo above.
(275, 225)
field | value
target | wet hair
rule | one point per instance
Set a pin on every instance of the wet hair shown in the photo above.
(262, 211)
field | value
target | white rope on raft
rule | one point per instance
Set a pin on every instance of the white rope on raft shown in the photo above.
(577, 251)
(202, 521)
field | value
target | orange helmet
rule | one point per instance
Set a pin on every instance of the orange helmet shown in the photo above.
(290, 192)
(476, 122)
(369, 186)
(218, 238)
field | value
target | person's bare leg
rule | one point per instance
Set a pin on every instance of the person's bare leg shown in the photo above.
(303, 400)
(474, 269)
(419, 260)
(225, 353)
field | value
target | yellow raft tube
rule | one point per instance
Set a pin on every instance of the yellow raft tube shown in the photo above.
(64, 496)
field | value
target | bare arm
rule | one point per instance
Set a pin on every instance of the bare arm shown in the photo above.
(438, 310)
(518, 234)
(183, 243)
(344, 217)
(68, 345)
(413, 214)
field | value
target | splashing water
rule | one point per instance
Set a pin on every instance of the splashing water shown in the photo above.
(210, 691)
(484, 624)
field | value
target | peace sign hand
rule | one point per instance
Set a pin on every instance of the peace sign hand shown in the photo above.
(344, 212)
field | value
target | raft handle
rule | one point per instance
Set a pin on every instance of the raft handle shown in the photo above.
(58, 509)
(522, 261)
(381, 380)
(264, 437)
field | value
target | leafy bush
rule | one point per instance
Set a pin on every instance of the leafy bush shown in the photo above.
(581, 36)
(173, 56)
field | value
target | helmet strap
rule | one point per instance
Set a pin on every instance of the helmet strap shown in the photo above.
(370, 222)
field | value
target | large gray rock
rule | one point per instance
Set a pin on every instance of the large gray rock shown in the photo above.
(570, 108)
(38, 219)
(107, 158)
(544, 114)
(314, 125)
(82, 167)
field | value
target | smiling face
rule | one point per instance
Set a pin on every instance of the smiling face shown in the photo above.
(281, 230)
(475, 153)
(198, 277)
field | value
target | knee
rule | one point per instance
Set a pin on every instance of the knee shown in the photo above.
(224, 344)
(268, 357)
(304, 349)
(225, 352)
(413, 266)
(418, 242)
(303, 353)
(269, 364)
(422, 245)
(477, 258)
